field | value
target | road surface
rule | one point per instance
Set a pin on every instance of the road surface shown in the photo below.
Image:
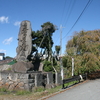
(86, 91)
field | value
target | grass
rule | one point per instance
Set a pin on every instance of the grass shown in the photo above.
(3, 90)
(70, 83)
(22, 92)
(37, 93)
(38, 89)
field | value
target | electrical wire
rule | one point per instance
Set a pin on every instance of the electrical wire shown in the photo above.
(62, 17)
(73, 3)
(69, 10)
(88, 3)
(69, 6)
(63, 11)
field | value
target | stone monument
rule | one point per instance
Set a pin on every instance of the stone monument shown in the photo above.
(24, 48)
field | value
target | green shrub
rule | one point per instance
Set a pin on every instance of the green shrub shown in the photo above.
(47, 66)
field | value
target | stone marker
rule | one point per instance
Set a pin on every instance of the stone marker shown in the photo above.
(24, 48)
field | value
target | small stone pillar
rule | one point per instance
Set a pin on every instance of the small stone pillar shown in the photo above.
(38, 79)
(49, 80)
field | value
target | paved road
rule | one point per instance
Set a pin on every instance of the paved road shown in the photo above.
(86, 91)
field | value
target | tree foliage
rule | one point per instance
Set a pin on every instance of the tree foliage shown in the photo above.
(85, 48)
(43, 38)
(57, 48)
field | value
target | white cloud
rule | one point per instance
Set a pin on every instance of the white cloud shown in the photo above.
(17, 23)
(3, 51)
(3, 19)
(8, 41)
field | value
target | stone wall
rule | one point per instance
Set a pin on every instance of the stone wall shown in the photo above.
(25, 81)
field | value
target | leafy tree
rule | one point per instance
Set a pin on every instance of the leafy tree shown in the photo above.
(57, 48)
(66, 60)
(8, 57)
(85, 47)
(43, 38)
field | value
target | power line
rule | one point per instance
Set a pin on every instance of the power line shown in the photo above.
(78, 17)
(73, 3)
(69, 6)
(69, 10)
(62, 17)
(63, 11)
(87, 5)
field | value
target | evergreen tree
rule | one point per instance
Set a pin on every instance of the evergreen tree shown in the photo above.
(43, 38)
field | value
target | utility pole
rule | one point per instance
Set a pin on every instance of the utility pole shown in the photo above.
(62, 73)
(72, 66)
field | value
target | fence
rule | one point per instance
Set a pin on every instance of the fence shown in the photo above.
(74, 78)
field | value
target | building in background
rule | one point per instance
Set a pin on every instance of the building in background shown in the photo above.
(2, 55)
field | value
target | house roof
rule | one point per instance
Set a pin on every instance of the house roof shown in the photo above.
(2, 54)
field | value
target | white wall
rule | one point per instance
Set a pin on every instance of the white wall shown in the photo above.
(1, 57)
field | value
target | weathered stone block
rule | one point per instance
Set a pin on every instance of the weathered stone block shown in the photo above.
(21, 84)
(11, 87)
(15, 83)
(23, 76)
(24, 81)
(6, 85)
(12, 76)
(18, 87)
(1, 83)
(38, 79)
(10, 82)
(22, 67)
(27, 87)
(22, 88)
(31, 81)
(4, 75)
(32, 76)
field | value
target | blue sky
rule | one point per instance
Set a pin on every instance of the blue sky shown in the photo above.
(58, 12)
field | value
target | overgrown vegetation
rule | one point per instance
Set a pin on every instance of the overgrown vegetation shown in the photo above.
(48, 66)
(85, 48)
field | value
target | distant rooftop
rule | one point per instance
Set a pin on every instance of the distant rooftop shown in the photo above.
(2, 54)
